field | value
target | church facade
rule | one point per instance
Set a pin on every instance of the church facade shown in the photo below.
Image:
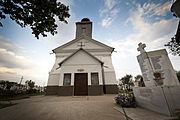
(83, 66)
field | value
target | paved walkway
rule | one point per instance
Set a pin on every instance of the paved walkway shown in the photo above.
(63, 108)
(73, 108)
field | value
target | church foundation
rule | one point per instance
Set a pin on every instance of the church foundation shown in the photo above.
(111, 89)
(51, 90)
(65, 90)
(92, 90)
(95, 90)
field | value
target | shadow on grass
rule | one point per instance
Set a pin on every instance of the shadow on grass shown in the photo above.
(18, 97)
(4, 105)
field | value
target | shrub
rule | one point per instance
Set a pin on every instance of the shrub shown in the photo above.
(31, 91)
(125, 100)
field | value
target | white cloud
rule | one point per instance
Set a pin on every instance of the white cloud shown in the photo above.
(157, 9)
(110, 4)
(66, 32)
(106, 22)
(66, 2)
(153, 34)
(7, 44)
(14, 64)
(114, 12)
(11, 60)
(34, 64)
(108, 12)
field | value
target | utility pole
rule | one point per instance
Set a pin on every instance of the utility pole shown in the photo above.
(21, 80)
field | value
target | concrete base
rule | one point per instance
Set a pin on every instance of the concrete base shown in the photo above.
(111, 89)
(92, 90)
(163, 100)
(51, 90)
(65, 90)
(95, 90)
(59, 90)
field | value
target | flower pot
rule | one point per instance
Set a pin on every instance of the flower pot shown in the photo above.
(157, 76)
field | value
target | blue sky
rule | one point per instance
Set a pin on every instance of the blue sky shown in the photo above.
(121, 24)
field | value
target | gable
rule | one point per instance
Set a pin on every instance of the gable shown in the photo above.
(86, 42)
(80, 57)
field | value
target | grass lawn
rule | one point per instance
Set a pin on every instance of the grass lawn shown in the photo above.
(35, 94)
(3, 105)
(18, 97)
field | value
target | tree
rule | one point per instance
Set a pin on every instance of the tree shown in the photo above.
(140, 81)
(127, 81)
(30, 83)
(178, 75)
(2, 84)
(174, 46)
(9, 84)
(138, 77)
(38, 14)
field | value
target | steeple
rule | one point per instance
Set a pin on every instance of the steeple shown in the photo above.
(84, 28)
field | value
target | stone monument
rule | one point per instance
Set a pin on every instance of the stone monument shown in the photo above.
(156, 62)
(161, 93)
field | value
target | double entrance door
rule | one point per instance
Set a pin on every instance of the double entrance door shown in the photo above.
(81, 84)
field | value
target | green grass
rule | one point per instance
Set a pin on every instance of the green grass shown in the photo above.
(4, 105)
(18, 97)
(35, 94)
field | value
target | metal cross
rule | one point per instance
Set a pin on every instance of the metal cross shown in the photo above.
(81, 44)
(141, 47)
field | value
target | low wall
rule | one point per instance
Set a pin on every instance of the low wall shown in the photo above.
(163, 100)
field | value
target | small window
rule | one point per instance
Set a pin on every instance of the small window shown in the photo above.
(67, 79)
(94, 79)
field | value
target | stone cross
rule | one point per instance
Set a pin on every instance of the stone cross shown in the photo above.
(141, 47)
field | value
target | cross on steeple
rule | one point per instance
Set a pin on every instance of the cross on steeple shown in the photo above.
(141, 47)
(81, 44)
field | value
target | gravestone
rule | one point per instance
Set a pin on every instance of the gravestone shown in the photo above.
(161, 95)
(156, 61)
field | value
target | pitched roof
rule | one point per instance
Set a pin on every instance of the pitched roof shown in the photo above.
(83, 37)
(77, 52)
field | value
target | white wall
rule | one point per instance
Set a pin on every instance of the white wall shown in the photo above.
(81, 60)
(53, 79)
(87, 69)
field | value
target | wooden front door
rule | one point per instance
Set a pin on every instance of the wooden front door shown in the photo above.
(81, 84)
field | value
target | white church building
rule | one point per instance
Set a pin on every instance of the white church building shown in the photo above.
(83, 66)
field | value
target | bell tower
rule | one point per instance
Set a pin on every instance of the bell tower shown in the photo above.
(84, 28)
